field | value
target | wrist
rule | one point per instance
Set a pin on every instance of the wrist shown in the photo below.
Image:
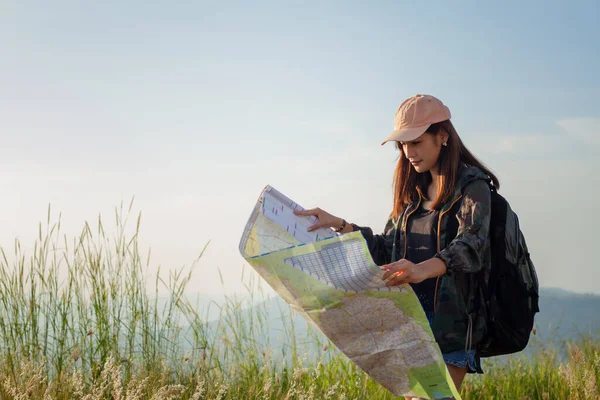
(433, 267)
(341, 225)
(348, 228)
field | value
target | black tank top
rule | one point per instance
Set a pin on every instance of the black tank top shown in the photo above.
(421, 240)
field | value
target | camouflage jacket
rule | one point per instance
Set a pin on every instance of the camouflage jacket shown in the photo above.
(459, 321)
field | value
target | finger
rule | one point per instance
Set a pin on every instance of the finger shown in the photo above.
(309, 211)
(393, 267)
(399, 278)
(306, 212)
(316, 226)
(387, 274)
(396, 282)
(393, 270)
(393, 264)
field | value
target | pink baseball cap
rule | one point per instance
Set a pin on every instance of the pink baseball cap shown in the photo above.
(414, 116)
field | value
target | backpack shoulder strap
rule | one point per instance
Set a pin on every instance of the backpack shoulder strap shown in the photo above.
(452, 224)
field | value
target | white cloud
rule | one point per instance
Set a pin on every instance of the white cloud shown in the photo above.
(581, 129)
(496, 143)
(587, 129)
(520, 143)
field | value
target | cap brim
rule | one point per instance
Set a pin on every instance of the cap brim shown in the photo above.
(406, 134)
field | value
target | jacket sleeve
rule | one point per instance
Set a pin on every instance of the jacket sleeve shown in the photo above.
(380, 245)
(467, 251)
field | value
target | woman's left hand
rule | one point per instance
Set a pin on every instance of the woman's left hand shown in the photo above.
(403, 271)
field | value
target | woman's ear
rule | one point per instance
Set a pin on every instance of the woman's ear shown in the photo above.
(443, 136)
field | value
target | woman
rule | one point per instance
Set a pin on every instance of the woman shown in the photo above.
(436, 238)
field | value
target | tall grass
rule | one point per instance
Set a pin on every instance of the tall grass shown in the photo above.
(78, 321)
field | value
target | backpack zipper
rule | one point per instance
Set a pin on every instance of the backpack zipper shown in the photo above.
(439, 245)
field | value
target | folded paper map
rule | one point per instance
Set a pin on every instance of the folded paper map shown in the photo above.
(332, 281)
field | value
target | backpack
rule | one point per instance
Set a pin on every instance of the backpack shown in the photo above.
(512, 293)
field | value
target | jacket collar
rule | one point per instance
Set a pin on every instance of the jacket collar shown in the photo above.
(466, 174)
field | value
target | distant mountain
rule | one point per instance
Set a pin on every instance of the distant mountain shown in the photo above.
(563, 316)
(561, 311)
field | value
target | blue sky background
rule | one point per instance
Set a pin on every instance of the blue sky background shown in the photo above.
(193, 107)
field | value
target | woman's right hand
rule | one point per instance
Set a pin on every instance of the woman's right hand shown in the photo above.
(325, 220)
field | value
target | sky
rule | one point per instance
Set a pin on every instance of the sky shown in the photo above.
(192, 108)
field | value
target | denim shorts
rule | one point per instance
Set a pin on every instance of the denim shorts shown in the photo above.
(460, 358)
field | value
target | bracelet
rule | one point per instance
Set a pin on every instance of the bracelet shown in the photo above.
(341, 228)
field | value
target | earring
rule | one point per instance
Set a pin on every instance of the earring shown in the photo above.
(444, 143)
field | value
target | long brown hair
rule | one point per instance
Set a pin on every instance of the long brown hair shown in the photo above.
(408, 183)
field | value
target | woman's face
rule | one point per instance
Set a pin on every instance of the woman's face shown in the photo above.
(423, 152)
